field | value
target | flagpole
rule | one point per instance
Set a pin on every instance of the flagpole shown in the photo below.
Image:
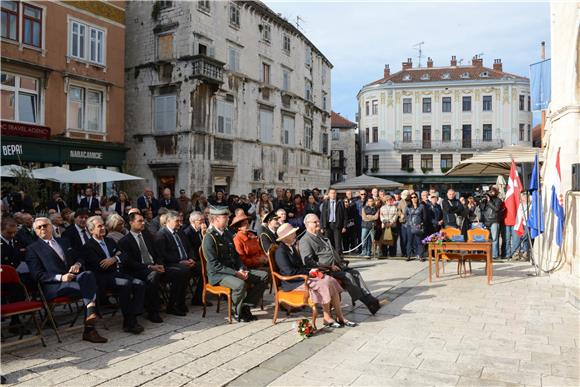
(530, 251)
(538, 214)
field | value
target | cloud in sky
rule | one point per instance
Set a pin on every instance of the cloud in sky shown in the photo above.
(359, 38)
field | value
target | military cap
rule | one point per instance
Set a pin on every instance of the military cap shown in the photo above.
(219, 210)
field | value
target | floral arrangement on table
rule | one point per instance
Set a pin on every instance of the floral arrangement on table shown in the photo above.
(438, 237)
(305, 329)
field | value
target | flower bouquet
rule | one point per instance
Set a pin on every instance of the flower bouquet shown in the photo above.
(305, 329)
(438, 237)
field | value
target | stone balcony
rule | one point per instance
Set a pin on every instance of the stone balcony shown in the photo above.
(207, 69)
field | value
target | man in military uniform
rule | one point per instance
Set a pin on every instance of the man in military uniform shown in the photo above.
(268, 235)
(225, 268)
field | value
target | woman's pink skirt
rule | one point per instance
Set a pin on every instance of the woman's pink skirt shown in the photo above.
(322, 289)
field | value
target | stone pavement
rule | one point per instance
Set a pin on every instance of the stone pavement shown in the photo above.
(183, 350)
(451, 332)
(458, 332)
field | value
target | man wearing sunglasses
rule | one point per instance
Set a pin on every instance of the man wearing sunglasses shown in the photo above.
(54, 264)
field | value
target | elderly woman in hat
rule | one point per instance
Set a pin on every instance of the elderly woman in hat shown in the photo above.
(247, 243)
(323, 289)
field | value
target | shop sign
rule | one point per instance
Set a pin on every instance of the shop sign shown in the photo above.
(12, 150)
(20, 129)
(85, 155)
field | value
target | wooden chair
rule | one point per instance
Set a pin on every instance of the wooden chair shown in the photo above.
(444, 256)
(213, 289)
(293, 298)
(478, 256)
(9, 276)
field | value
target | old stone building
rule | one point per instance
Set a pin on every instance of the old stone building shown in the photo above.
(343, 148)
(419, 122)
(224, 94)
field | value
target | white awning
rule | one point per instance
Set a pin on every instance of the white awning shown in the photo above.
(495, 162)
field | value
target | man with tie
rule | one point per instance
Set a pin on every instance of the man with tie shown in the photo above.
(148, 201)
(90, 201)
(141, 261)
(61, 272)
(168, 201)
(194, 234)
(332, 220)
(317, 251)
(26, 235)
(77, 233)
(11, 250)
(104, 258)
(177, 255)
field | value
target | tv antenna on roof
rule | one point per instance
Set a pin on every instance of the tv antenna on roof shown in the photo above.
(418, 47)
(298, 20)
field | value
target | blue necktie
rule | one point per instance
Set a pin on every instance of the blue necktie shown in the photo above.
(104, 247)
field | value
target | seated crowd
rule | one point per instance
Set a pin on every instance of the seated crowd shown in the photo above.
(149, 261)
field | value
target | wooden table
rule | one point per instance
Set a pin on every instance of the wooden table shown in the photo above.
(467, 247)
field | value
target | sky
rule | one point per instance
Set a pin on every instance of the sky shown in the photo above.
(360, 37)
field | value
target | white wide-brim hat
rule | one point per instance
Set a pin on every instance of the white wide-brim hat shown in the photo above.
(285, 230)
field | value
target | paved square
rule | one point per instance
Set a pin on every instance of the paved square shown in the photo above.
(518, 331)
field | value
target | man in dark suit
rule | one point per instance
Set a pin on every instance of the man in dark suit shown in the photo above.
(77, 233)
(194, 233)
(317, 251)
(148, 201)
(103, 257)
(176, 254)
(225, 268)
(141, 261)
(168, 201)
(56, 203)
(268, 235)
(11, 250)
(90, 201)
(61, 272)
(26, 235)
(332, 220)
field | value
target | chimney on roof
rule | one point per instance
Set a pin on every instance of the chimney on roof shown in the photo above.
(386, 71)
(453, 60)
(477, 61)
(497, 65)
(429, 62)
(408, 64)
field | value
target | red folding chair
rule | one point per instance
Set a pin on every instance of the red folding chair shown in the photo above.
(52, 304)
(9, 276)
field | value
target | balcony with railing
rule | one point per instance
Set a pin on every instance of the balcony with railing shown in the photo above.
(428, 145)
(207, 69)
(452, 145)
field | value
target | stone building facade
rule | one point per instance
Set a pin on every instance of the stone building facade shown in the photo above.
(63, 73)
(418, 123)
(343, 147)
(224, 95)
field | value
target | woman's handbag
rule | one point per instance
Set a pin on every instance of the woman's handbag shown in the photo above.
(388, 237)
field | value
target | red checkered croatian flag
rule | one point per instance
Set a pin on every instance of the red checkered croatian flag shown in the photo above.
(512, 201)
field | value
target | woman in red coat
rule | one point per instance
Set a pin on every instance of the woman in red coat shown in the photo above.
(247, 243)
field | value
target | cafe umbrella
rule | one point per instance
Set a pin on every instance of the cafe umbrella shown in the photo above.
(97, 175)
(56, 174)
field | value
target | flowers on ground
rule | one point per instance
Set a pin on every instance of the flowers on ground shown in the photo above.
(305, 329)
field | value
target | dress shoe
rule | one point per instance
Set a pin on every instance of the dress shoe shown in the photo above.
(175, 311)
(241, 318)
(154, 318)
(350, 324)
(374, 307)
(134, 328)
(331, 324)
(93, 336)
